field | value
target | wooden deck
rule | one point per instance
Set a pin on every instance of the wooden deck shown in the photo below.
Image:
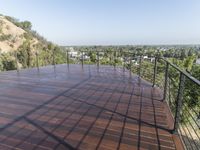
(81, 108)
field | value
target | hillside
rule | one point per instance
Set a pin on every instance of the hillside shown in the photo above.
(18, 39)
(12, 36)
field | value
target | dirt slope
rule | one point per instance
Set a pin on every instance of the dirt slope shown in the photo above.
(11, 36)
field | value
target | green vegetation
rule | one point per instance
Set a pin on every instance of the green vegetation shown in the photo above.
(7, 62)
(1, 26)
(26, 25)
(5, 37)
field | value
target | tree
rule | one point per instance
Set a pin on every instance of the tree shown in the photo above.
(59, 55)
(50, 46)
(1, 65)
(188, 62)
(26, 25)
(24, 54)
(190, 52)
(7, 62)
(183, 54)
(92, 55)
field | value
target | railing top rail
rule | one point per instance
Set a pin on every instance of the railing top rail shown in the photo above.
(183, 72)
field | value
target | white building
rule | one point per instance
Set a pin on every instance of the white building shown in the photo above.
(73, 54)
(198, 61)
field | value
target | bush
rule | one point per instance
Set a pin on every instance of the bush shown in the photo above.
(5, 37)
(1, 26)
(1, 65)
(7, 62)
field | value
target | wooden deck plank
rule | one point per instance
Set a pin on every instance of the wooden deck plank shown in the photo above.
(81, 108)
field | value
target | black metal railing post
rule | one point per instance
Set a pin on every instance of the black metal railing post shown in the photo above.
(166, 80)
(54, 57)
(98, 59)
(130, 62)
(37, 61)
(16, 61)
(179, 103)
(154, 72)
(111, 58)
(140, 65)
(82, 58)
(123, 62)
(67, 57)
(115, 59)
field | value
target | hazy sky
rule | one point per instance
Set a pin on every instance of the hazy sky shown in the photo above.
(95, 22)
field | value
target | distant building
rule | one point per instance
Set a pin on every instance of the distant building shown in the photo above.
(152, 59)
(72, 53)
(145, 57)
(85, 57)
(198, 61)
(163, 49)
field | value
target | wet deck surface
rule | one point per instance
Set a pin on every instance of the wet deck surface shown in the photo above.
(73, 108)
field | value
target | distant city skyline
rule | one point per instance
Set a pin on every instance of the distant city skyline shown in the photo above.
(110, 22)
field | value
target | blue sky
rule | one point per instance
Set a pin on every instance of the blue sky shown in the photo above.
(110, 22)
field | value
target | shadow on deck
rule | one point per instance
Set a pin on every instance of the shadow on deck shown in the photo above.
(81, 108)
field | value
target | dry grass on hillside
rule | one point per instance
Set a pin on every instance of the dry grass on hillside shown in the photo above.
(14, 36)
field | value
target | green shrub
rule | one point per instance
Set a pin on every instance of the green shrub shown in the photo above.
(5, 37)
(7, 62)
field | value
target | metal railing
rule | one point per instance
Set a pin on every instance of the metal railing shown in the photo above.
(180, 90)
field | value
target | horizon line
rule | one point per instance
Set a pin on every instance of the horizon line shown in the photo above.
(130, 45)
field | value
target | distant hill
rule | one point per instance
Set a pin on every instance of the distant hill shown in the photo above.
(18, 39)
